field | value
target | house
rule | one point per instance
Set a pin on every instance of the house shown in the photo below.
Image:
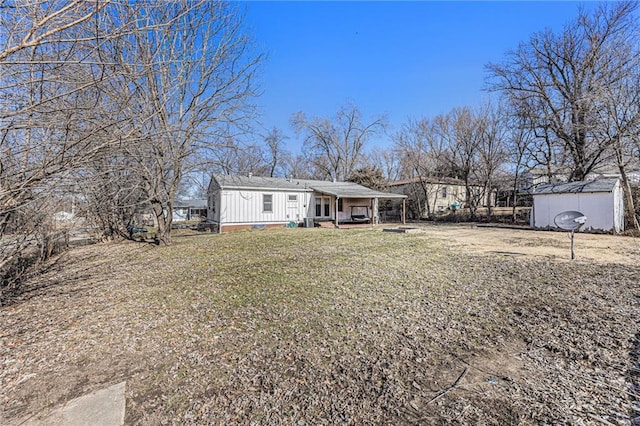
(187, 210)
(601, 201)
(612, 172)
(537, 176)
(244, 202)
(433, 195)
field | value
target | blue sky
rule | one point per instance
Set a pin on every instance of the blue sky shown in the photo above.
(403, 59)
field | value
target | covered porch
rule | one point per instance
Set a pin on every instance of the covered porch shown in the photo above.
(354, 205)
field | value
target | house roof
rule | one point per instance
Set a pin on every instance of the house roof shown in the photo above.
(196, 204)
(431, 180)
(601, 185)
(337, 189)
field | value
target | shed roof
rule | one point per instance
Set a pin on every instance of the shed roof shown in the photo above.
(338, 189)
(601, 185)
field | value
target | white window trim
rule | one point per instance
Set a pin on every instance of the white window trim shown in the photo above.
(264, 203)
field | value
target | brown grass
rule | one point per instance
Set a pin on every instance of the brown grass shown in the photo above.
(330, 326)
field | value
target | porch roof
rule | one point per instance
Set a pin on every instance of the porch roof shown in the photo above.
(351, 190)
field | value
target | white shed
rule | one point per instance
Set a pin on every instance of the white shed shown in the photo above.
(601, 201)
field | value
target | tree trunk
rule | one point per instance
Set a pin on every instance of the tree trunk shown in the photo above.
(629, 206)
(488, 199)
(515, 199)
(163, 221)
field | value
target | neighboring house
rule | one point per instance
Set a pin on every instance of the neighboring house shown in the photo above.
(611, 172)
(187, 210)
(243, 202)
(540, 175)
(433, 195)
(601, 201)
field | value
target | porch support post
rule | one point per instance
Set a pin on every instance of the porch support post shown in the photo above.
(376, 219)
(404, 211)
(372, 212)
(335, 210)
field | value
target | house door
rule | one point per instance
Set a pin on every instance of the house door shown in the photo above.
(323, 207)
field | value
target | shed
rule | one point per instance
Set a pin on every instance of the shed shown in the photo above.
(601, 201)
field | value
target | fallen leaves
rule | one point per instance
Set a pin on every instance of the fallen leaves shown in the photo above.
(326, 326)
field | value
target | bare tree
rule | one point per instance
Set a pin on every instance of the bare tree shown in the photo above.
(619, 122)
(276, 151)
(463, 134)
(415, 145)
(492, 151)
(235, 157)
(192, 70)
(560, 76)
(296, 166)
(386, 160)
(518, 145)
(335, 147)
(56, 112)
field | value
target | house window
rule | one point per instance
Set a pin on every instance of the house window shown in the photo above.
(340, 204)
(267, 203)
(198, 213)
(444, 192)
(323, 207)
(292, 197)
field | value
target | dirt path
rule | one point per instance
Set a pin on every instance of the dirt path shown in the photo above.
(538, 244)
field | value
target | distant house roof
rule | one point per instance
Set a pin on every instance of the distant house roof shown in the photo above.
(601, 185)
(194, 204)
(337, 189)
(431, 180)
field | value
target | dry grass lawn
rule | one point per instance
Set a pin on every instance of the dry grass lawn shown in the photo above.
(454, 324)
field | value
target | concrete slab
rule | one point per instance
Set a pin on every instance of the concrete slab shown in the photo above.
(403, 230)
(104, 407)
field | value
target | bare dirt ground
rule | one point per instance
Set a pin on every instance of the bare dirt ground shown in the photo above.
(552, 246)
(453, 324)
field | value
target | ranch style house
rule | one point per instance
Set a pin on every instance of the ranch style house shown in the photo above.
(246, 202)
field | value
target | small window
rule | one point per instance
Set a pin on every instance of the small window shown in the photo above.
(292, 197)
(444, 192)
(267, 203)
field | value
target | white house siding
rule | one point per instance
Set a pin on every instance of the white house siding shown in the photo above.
(604, 210)
(236, 207)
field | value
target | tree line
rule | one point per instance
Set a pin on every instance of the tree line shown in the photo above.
(567, 103)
